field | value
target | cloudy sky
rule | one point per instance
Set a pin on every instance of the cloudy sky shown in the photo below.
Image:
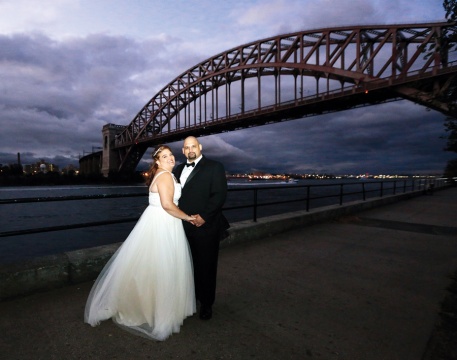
(68, 67)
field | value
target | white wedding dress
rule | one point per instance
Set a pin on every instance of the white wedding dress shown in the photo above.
(147, 287)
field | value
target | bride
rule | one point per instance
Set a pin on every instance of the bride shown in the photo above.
(147, 287)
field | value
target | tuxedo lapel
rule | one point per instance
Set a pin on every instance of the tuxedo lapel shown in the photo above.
(194, 172)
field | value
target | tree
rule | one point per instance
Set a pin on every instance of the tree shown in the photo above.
(451, 128)
(448, 43)
(451, 169)
(448, 37)
(450, 6)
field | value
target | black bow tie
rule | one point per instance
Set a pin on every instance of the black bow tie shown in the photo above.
(190, 164)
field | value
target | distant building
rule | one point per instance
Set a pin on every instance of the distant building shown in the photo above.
(70, 169)
(27, 169)
(91, 164)
(40, 167)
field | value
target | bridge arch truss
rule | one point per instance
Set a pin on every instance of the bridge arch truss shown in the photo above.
(291, 76)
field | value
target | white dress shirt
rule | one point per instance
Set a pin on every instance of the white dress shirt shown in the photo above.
(186, 172)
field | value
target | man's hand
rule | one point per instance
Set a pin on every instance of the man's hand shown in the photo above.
(199, 221)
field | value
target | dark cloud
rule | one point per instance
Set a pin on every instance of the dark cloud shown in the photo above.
(398, 137)
(55, 97)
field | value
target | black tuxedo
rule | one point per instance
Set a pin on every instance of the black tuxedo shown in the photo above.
(204, 193)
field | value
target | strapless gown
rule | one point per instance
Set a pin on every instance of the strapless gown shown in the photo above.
(147, 287)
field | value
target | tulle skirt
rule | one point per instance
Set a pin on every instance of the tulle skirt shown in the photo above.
(147, 287)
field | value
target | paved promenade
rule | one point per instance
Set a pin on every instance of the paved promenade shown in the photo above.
(365, 287)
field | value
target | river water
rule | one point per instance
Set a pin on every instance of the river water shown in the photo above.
(37, 215)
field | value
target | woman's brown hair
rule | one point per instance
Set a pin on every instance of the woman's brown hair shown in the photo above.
(153, 169)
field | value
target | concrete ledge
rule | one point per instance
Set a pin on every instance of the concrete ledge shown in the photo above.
(39, 274)
(268, 226)
(84, 265)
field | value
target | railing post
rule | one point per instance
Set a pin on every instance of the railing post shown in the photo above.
(395, 187)
(307, 198)
(382, 189)
(341, 194)
(363, 191)
(255, 205)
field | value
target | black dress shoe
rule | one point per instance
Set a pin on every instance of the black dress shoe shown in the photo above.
(206, 312)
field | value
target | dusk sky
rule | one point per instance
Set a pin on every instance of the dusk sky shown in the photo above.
(68, 67)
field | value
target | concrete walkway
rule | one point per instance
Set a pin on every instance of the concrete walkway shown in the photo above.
(365, 287)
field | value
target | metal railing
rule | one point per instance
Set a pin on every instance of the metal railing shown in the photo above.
(384, 188)
(302, 193)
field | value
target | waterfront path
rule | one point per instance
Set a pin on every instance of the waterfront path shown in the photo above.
(365, 287)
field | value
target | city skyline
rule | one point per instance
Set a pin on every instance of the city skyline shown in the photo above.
(42, 166)
(68, 68)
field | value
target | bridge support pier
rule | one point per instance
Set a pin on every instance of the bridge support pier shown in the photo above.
(110, 158)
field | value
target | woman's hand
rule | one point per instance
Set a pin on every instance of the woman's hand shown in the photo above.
(191, 219)
(199, 221)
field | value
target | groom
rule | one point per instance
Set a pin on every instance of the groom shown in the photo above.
(204, 189)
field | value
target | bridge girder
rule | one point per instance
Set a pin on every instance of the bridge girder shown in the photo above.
(325, 66)
(429, 94)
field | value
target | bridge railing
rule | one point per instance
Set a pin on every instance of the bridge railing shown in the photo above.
(316, 195)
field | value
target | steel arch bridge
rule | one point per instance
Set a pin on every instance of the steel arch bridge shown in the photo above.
(292, 76)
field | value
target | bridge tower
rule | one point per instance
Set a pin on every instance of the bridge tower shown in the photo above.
(110, 159)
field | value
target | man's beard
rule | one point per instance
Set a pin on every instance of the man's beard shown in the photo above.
(192, 156)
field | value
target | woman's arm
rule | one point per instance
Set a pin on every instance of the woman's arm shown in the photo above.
(166, 188)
